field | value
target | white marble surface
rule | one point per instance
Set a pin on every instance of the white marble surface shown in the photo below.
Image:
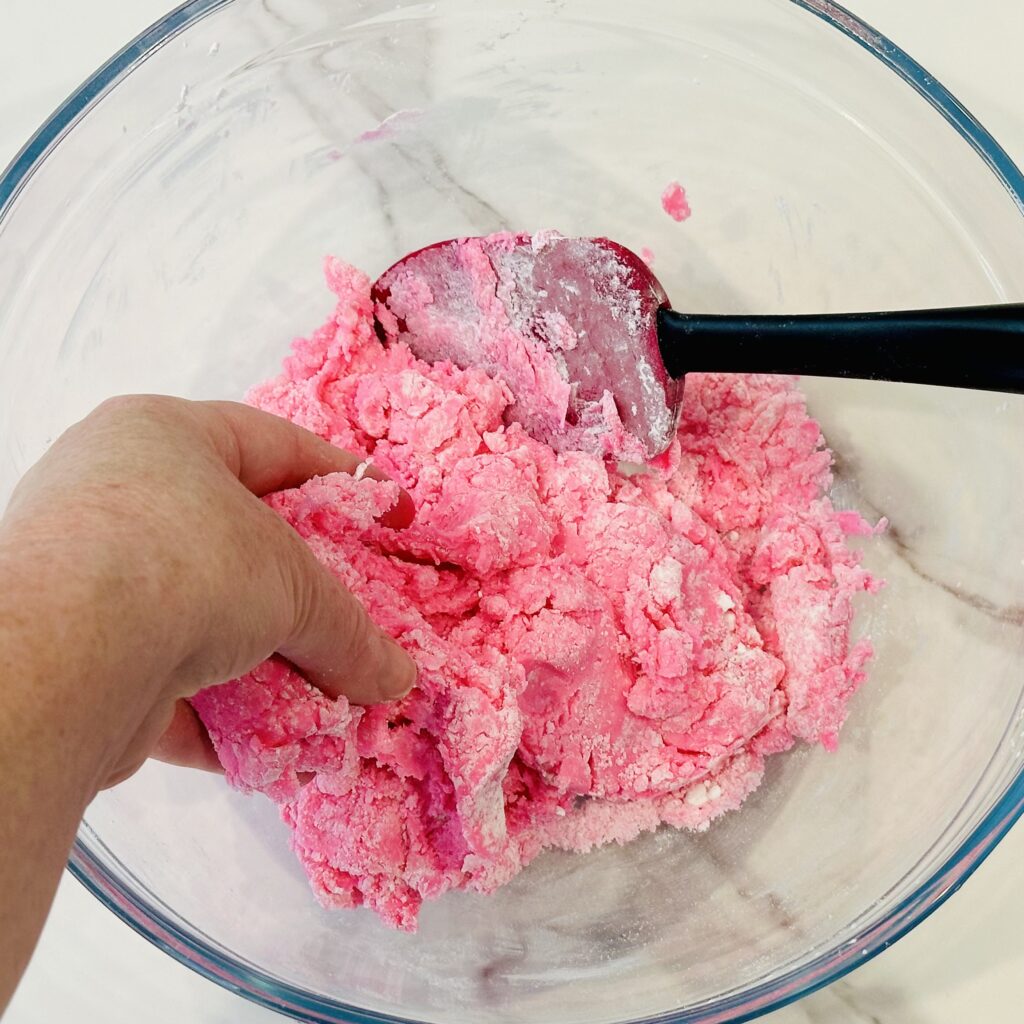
(965, 963)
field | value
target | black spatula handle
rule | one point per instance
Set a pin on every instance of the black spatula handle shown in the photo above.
(971, 347)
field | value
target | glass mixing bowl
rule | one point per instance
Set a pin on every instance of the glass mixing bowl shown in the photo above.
(164, 232)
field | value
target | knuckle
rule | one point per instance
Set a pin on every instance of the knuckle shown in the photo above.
(300, 588)
(125, 406)
(129, 412)
(322, 605)
(355, 627)
(302, 585)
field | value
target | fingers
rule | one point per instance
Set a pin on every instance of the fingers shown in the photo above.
(268, 453)
(333, 641)
(335, 644)
(182, 741)
(186, 742)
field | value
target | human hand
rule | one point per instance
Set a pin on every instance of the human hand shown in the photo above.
(149, 510)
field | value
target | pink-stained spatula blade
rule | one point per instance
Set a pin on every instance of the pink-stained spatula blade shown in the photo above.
(569, 324)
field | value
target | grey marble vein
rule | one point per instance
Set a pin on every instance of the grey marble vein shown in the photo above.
(903, 549)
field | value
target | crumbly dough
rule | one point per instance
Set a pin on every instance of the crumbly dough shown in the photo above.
(600, 651)
(675, 203)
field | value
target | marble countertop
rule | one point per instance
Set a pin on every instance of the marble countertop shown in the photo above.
(966, 962)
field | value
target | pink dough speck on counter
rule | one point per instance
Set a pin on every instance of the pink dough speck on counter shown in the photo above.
(601, 651)
(675, 203)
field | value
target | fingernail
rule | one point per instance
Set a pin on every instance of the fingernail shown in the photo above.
(403, 512)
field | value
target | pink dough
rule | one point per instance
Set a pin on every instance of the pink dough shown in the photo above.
(674, 202)
(599, 652)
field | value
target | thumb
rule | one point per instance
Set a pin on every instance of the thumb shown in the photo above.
(335, 643)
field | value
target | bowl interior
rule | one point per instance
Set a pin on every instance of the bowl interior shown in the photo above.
(171, 242)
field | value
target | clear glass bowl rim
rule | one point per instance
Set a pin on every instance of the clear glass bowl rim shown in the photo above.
(248, 980)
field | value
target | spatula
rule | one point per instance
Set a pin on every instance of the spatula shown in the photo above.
(583, 334)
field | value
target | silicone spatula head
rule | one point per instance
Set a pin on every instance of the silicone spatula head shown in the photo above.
(569, 324)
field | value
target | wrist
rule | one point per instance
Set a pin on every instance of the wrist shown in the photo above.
(81, 671)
